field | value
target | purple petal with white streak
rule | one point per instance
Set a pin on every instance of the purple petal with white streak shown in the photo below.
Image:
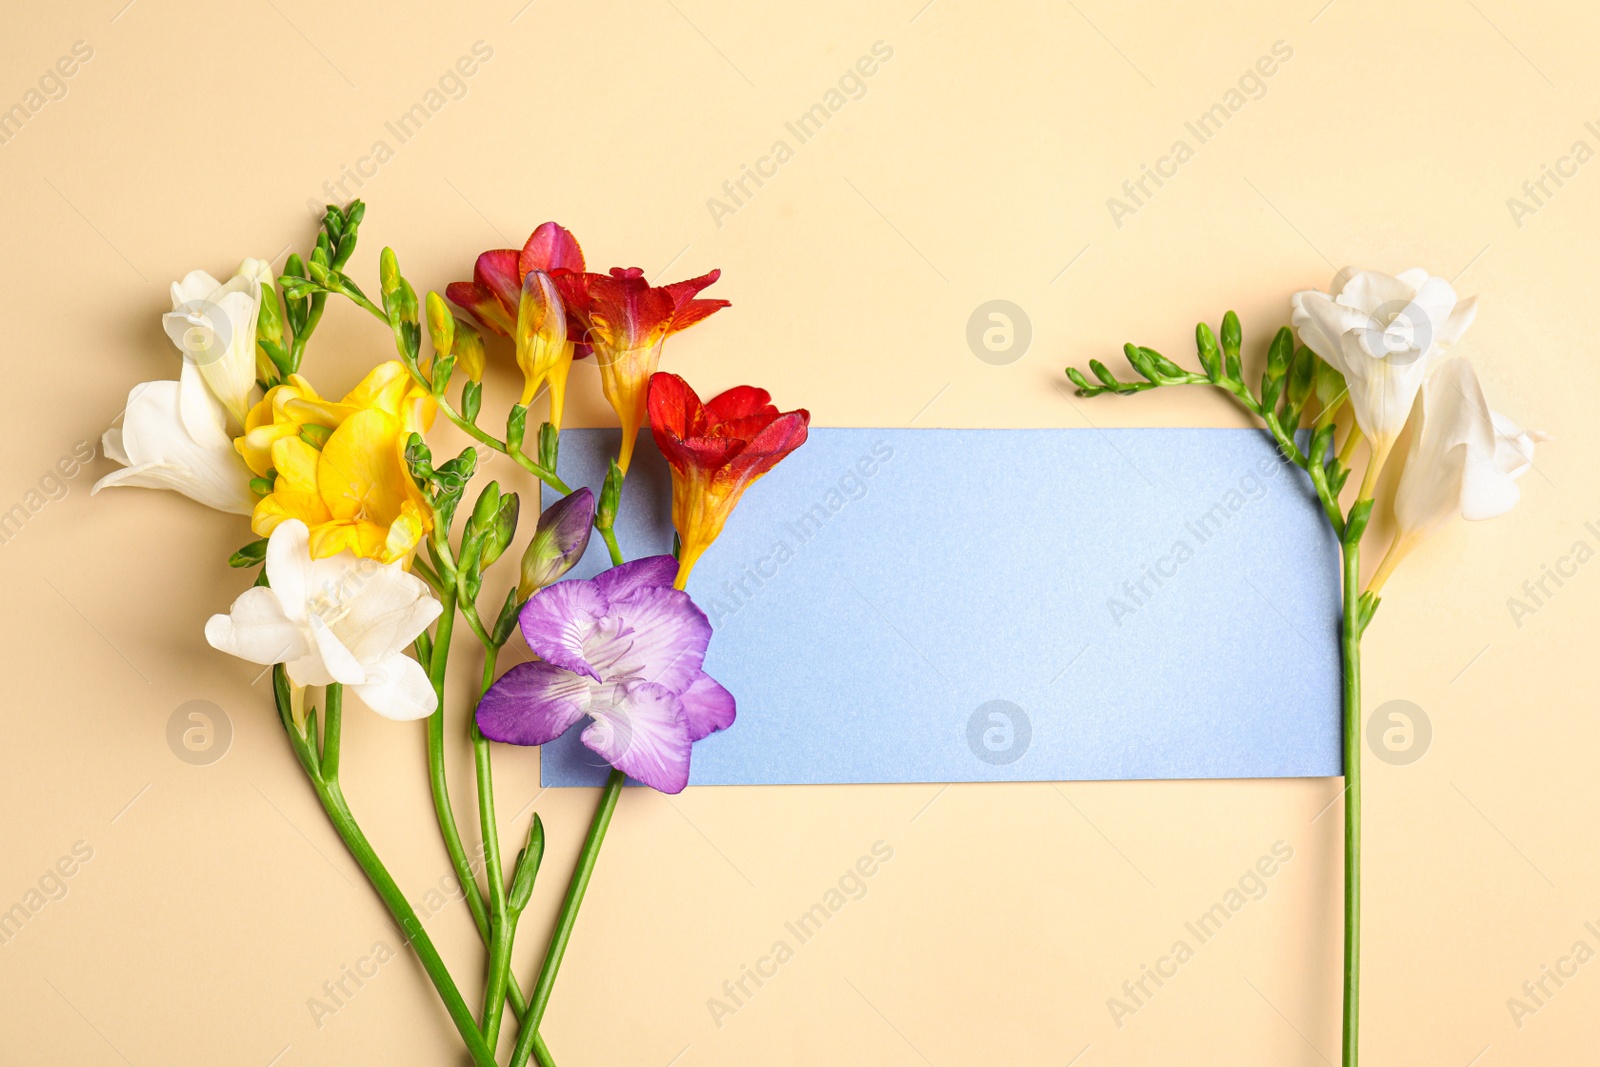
(662, 640)
(558, 619)
(644, 735)
(532, 704)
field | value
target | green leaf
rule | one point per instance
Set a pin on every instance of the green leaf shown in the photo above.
(516, 427)
(250, 555)
(610, 496)
(1365, 607)
(1356, 524)
(549, 443)
(526, 870)
(506, 623)
(471, 400)
(443, 367)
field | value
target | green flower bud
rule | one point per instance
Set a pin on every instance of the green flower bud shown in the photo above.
(1232, 338)
(1280, 353)
(1210, 357)
(501, 529)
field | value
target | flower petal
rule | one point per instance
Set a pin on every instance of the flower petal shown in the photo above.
(256, 629)
(644, 735)
(557, 620)
(627, 578)
(663, 639)
(162, 454)
(482, 304)
(398, 688)
(289, 566)
(707, 707)
(497, 269)
(384, 611)
(767, 449)
(341, 664)
(532, 704)
(740, 402)
(551, 247)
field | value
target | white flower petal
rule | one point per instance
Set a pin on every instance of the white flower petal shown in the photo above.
(1370, 290)
(196, 285)
(161, 453)
(388, 610)
(111, 445)
(288, 564)
(398, 688)
(256, 629)
(1464, 458)
(340, 619)
(341, 664)
(203, 416)
(1383, 333)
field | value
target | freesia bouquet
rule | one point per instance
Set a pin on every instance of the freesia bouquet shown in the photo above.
(1373, 359)
(367, 554)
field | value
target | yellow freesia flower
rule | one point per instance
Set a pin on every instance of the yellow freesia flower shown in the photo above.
(353, 491)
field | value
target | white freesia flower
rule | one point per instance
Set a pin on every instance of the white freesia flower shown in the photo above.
(340, 619)
(174, 435)
(1383, 333)
(214, 326)
(1464, 460)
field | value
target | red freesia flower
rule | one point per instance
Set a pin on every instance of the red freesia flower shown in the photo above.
(716, 449)
(495, 292)
(627, 320)
(516, 294)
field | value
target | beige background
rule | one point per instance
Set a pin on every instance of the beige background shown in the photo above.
(977, 165)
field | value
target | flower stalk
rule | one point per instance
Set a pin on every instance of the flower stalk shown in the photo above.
(568, 917)
(325, 782)
(1351, 625)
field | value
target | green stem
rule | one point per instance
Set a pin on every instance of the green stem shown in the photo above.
(501, 929)
(448, 829)
(609, 535)
(331, 795)
(568, 917)
(1351, 648)
(332, 718)
(436, 771)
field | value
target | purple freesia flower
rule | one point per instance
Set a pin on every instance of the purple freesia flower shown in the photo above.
(624, 649)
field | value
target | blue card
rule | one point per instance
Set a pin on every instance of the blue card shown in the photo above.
(1004, 605)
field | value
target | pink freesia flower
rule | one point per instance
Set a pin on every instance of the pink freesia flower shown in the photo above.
(626, 650)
